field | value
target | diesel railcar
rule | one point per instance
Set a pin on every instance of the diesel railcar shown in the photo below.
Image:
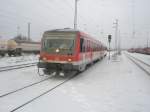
(64, 50)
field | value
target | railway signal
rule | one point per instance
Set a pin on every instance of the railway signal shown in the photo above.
(109, 40)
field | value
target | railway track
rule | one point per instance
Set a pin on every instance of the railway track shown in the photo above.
(141, 64)
(44, 93)
(17, 90)
(7, 68)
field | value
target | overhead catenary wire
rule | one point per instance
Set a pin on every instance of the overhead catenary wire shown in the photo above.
(44, 6)
(49, 6)
(26, 18)
(82, 20)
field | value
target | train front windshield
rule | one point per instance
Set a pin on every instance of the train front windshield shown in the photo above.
(59, 45)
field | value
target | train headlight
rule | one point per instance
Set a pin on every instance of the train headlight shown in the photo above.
(44, 59)
(69, 60)
(57, 50)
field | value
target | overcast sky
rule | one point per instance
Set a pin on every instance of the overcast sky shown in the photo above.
(95, 17)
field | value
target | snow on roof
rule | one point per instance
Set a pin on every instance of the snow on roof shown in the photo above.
(73, 30)
(63, 30)
(27, 42)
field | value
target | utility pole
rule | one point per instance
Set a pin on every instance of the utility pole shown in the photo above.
(133, 18)
(18, 30)
(119, 43)
(116, 35)
(75, 15)
(147, 39)
(29, 31)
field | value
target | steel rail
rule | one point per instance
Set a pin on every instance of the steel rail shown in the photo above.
(140, 66)
(139, 60)
(30, 85)
(44, 93)
(7, 68)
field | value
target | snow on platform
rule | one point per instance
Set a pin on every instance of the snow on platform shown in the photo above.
(108, 86)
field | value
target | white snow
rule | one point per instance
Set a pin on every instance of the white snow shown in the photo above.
(143, 57)
(15, 79)
(108, 86)
(11, 61)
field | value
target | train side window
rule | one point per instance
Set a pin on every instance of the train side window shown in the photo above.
(88, 46)
(95, 47)
(91, 45)
(81, 44)
(84, 45)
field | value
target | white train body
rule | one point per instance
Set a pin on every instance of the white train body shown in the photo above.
(17, 48)
(29, 46)
(11, 47)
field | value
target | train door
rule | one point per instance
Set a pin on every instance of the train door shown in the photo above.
(82, 55)
(91, 51)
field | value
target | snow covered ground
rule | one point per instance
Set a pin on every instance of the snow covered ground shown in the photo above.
(10, 61)
(108, 86)
(143, 57)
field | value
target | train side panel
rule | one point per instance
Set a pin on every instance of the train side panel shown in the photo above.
(30, 47)
(90, 51)
(17, 48)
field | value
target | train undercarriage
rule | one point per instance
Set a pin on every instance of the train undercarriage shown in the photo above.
(15, 52)
(60, 68)
(2, 53)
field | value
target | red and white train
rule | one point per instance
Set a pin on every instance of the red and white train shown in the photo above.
(64, 50)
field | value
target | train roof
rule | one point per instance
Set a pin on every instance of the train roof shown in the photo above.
(62, 30)
(26, 42)
(67, 30)
(70, 30)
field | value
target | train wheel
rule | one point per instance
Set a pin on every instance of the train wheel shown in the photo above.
(82, 67)
(46, 71)
(2, 55)
(9, 54)
(41, 71)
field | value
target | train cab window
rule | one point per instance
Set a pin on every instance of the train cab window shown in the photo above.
(43, 44)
